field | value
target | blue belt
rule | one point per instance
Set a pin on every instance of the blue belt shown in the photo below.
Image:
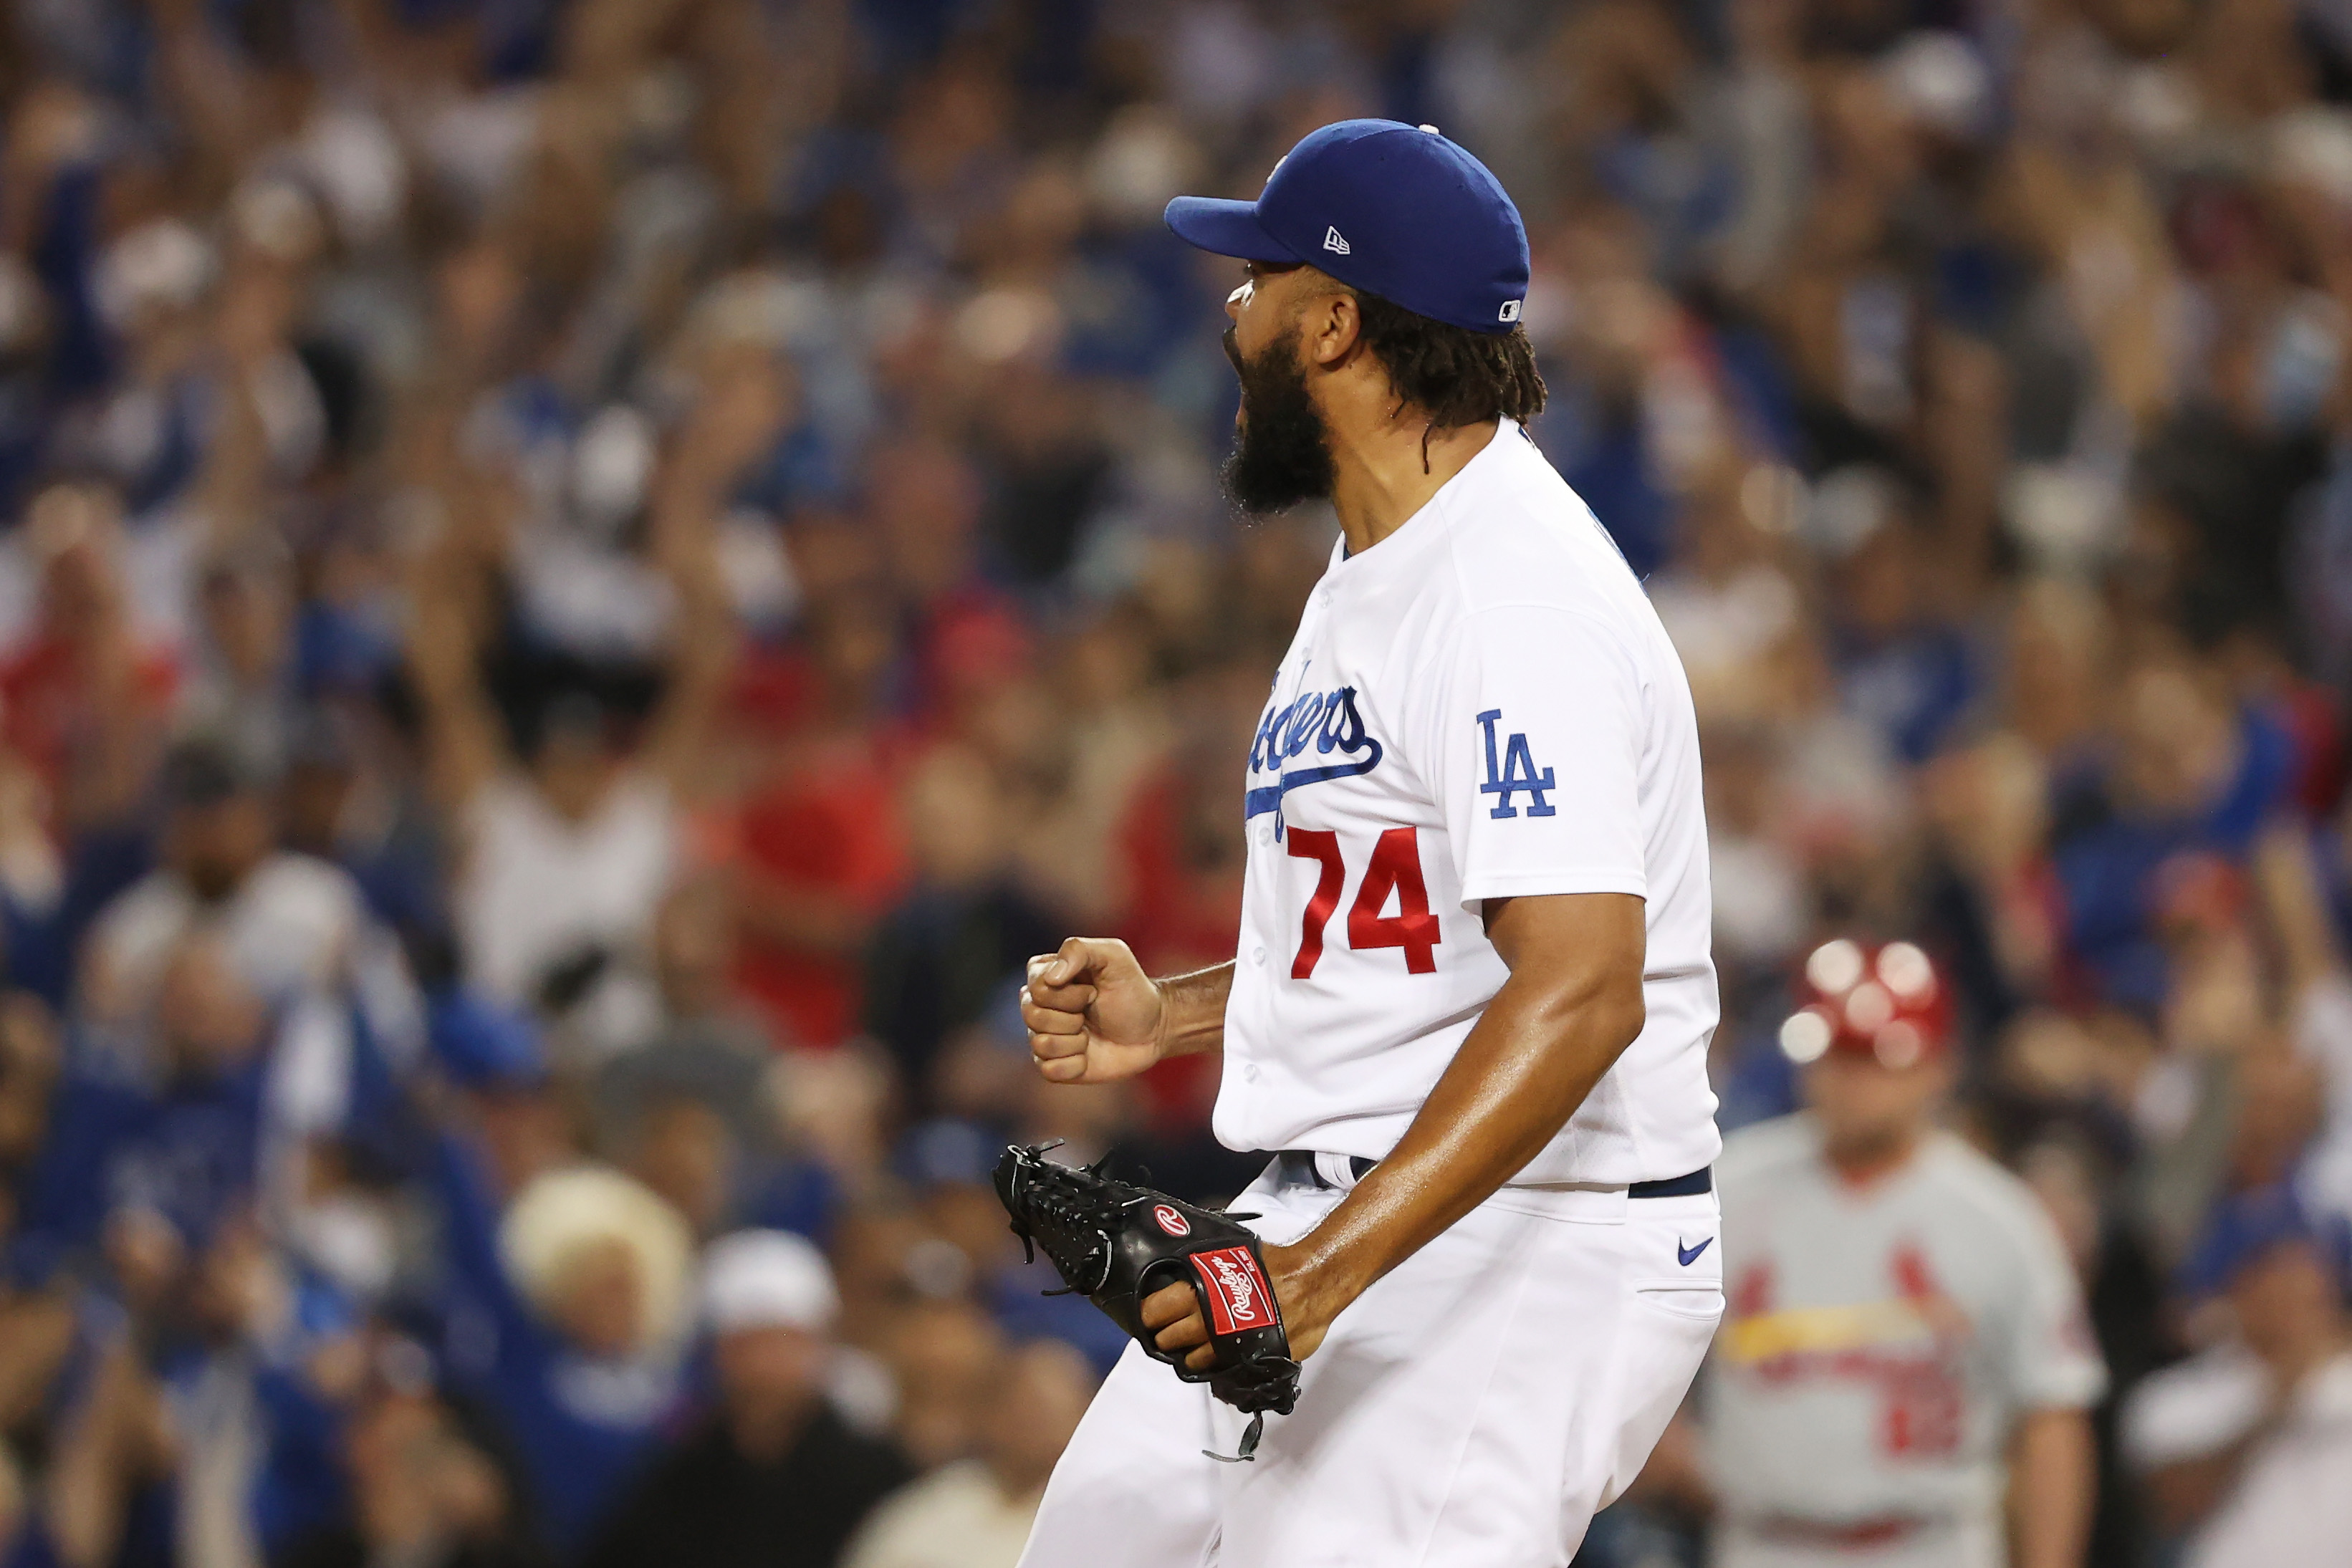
(1697, 1181)
(1297, 1167)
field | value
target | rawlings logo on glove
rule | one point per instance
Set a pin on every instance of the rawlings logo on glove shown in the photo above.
(1115, 1243)
(1238, 1297)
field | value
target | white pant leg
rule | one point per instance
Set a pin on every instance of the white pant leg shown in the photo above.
(1472, 1410)
(1478, 1405)
(1678, 1298)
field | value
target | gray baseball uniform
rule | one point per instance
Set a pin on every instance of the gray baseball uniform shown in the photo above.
(1879, 1344)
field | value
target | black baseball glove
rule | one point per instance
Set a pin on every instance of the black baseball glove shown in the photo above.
(1116, 1243)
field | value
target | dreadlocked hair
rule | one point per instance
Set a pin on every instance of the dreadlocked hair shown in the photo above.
(1456, 376)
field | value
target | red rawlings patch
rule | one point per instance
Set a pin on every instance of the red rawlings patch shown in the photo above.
(1239, 1298)
(1171, 1221)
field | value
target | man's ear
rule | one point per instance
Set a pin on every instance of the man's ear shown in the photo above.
(1335, 326)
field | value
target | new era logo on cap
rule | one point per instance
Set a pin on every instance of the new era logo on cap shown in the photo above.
(1335, 242)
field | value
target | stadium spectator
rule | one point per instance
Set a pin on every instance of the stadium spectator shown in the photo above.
(565, 856)
(2243, 1442)
(169, 1142)
(422, 1488)
(823, 838)
(975, 1513)
(772, 1475)
(940, 957)
(289, 923)
(567, 1326)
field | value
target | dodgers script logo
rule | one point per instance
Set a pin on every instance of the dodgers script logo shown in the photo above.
(1326, 721)
(1238, 1298)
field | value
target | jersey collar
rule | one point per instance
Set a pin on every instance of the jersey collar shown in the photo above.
(1402, 550)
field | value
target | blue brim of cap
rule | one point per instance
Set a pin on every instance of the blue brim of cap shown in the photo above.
(1225, 228)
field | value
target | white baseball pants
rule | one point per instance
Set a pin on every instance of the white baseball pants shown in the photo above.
(1474, 1409)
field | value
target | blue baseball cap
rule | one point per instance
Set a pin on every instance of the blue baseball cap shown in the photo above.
(1392, 209)
(2244, 1228)
(482, 1045)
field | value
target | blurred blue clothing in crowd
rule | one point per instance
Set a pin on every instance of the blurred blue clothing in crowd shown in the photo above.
(798, 1196)
(1912, 689)
(40, 943)
(1613, 472)
(2109, 859)
(186, 1151)
(2243, 1226)
(78, 358)
(582, 1428)
(482, 1045)
(1017, 1298)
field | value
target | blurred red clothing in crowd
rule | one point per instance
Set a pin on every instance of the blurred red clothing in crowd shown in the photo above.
(1186, 910)
(822, 854)
(48, 693)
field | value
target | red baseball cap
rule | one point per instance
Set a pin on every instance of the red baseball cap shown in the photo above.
(1887, 1002)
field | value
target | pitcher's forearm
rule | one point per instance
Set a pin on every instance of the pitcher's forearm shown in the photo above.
(1193, 1021)
(1527, 1065)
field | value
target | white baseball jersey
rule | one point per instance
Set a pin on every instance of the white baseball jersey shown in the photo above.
(1879, 1340)
(1481, 705)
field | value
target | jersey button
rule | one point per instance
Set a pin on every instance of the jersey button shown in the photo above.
(1249, 1072)
(1258, 954)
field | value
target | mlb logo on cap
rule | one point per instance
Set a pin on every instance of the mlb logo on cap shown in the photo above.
(1392, 209)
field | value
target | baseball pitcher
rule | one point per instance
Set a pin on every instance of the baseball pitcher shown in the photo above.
(1472, 995)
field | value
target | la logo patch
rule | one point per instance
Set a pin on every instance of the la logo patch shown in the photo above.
(1516, 774)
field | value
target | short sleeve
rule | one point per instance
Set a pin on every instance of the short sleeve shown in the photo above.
(1533, 736)
(2052, 1358)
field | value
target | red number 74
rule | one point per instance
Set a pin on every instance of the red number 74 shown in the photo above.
(1395, 868)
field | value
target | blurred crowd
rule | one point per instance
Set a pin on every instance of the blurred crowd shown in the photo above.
(580, 580)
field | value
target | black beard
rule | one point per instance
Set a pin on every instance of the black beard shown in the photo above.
(1282, 454)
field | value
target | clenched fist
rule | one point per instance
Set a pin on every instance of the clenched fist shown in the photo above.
(1094, 1016)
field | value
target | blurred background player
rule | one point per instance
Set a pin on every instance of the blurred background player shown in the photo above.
(1905, 1367)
